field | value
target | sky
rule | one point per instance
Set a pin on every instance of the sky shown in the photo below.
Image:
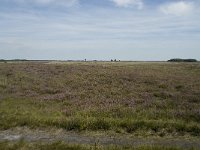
(150, 30)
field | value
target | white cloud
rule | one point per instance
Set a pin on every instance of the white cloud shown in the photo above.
(180, 8)
(129, 3)
(50, 2)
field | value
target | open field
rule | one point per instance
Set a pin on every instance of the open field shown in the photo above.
(122, 98)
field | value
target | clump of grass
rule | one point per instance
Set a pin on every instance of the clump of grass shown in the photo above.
(72, 124)
(179, 87)
(99, 124)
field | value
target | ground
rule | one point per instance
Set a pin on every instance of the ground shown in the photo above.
(115, 99)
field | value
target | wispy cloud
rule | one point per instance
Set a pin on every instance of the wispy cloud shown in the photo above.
(129, 3)
(95, 32)
(65, 3)
(177, 8)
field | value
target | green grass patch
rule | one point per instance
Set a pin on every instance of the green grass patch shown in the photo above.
(63, 146)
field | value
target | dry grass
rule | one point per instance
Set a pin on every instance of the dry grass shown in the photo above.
(138, 98)
(63, 146)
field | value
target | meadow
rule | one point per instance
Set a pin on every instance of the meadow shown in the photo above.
(135, 98)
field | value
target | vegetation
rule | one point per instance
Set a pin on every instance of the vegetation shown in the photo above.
(142, 99)
(63, 146)
(182, 60)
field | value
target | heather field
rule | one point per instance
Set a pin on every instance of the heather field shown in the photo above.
(140, 99)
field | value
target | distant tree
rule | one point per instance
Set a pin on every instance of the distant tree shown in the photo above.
(182, 60)
(111, 60)
(175, 60)
(190, 60)
(115, 60)
(2, 60)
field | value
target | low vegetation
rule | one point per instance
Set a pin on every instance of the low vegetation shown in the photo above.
(63, 146)
(182, 60)
(142, 99)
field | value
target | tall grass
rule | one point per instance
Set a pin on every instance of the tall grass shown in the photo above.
(25, 112)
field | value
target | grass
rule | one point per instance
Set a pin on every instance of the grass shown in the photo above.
(63, 146)
(142, 99)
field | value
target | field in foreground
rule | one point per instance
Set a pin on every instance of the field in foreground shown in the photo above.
(63, 146)
(139, 99)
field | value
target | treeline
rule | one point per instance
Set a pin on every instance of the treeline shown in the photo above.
(182, 60)
(2, 60)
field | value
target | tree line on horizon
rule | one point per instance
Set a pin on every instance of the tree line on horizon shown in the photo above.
(182, 60)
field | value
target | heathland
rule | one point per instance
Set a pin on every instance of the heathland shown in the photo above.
(142, 99)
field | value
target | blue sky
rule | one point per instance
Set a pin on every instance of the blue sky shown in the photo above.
(99, 29)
